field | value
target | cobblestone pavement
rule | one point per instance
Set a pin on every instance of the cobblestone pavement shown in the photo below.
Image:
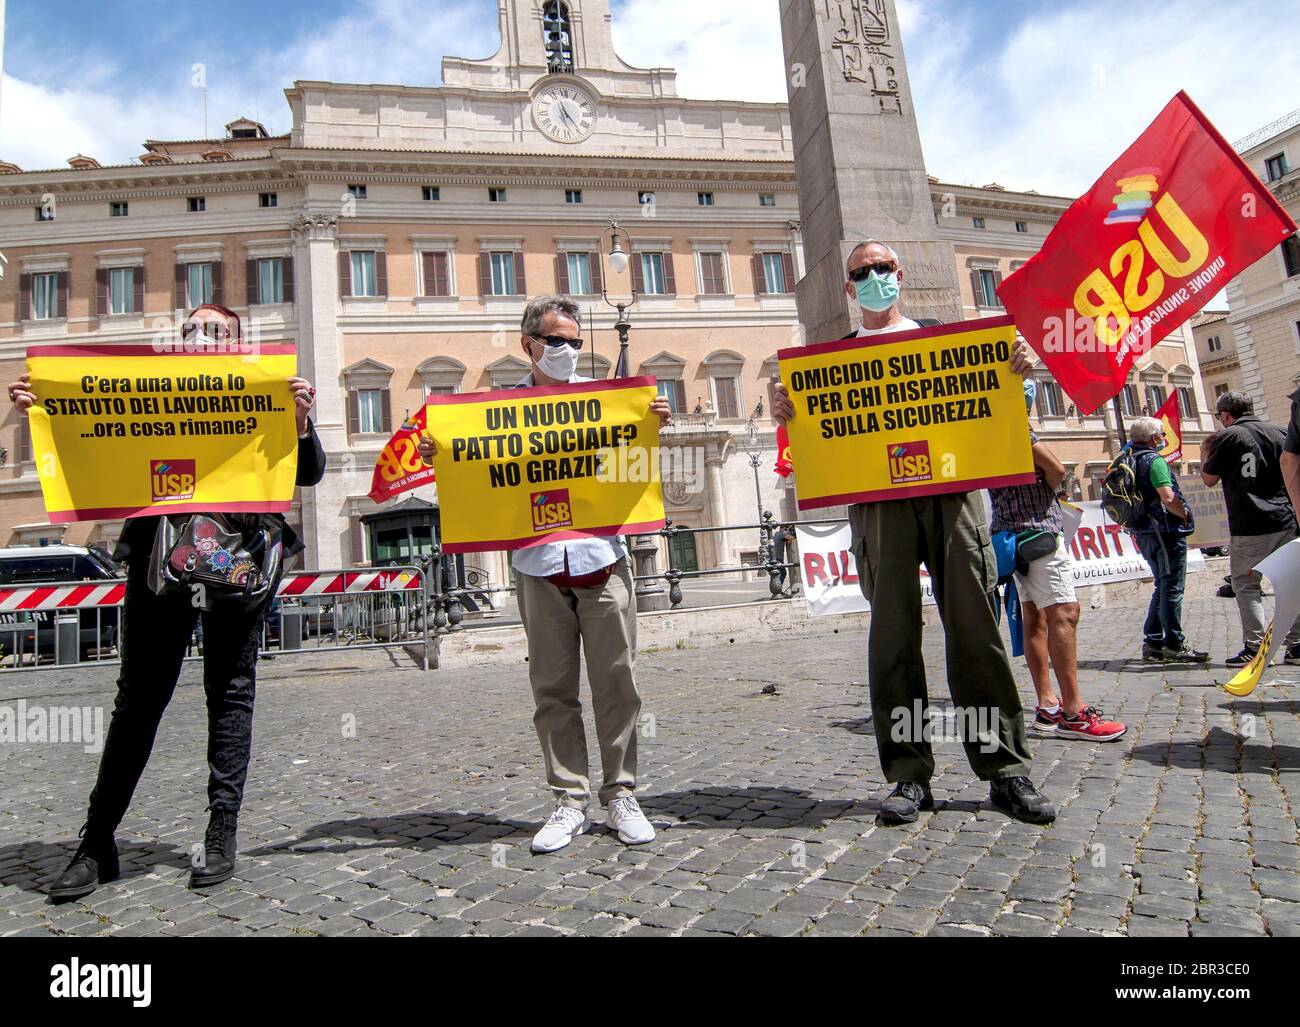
(417, 822)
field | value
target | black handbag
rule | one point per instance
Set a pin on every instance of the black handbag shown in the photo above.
(1034, 545)
(224, 558)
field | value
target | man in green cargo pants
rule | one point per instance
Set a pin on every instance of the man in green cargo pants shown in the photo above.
(950, 536)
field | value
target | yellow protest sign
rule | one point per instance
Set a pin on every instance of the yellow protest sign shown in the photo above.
(907, 414)
(520, 467)
(125, 431)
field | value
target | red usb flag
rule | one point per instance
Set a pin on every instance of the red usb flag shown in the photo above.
(1171, 416)
(784, 465)
(1168, 225)
(400, 468)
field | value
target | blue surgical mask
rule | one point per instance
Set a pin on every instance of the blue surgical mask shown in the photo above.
(1031, 393)
(876, 293)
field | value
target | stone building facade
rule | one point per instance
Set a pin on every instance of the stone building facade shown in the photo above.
(395, 232)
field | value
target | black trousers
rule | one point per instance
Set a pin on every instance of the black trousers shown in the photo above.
(154, 634)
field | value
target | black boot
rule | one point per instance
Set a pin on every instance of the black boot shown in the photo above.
(905, 802)
(1017, 797)
(218, 850)
(94, 864)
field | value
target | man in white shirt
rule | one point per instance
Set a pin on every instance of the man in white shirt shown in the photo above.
(574, 596)
(949, 534)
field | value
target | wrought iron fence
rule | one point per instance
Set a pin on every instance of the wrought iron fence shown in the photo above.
(64, 624)
(448, 595)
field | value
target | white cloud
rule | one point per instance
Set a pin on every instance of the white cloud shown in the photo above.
(1055, 102)
(108, 111)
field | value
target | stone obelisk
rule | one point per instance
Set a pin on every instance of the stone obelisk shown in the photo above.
(858, 161)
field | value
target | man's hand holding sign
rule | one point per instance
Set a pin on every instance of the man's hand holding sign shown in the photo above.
(524, 466)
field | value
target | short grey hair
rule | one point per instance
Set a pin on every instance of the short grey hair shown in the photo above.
(1238, 404)
(893, 254)
(552, 303)
(1144, 429)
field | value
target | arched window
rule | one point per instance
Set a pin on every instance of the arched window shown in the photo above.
(557, 37)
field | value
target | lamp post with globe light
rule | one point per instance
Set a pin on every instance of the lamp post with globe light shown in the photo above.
(650, 595)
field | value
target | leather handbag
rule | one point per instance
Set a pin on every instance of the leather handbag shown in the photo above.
(224, 558)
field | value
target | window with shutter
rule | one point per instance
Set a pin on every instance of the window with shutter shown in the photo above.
(23, 445)
(43, 303)
(371, 411)
(269, 286)
(521, 282)
(25, 304)
(124, 290)
(345, 273)
(101, 291)
(433, 269)
(713, 281)
(726, 394)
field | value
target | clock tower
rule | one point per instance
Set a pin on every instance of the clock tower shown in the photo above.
(570, 38)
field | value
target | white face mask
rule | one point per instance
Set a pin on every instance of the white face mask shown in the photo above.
(559, 362)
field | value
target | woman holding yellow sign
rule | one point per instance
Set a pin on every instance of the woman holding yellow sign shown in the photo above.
(164, 601)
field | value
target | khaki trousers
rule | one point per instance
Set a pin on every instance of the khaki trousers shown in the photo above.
(602, 622)
(1247, 551)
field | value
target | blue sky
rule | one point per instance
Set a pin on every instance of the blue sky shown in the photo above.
(1028, 93)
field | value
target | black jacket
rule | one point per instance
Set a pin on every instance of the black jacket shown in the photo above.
(138, 534)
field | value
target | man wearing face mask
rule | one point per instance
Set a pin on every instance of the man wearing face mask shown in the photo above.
(950, 536)
(578, 595)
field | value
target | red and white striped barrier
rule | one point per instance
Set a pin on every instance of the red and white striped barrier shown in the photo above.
(36, 598)
(91, 595)
(347, 582)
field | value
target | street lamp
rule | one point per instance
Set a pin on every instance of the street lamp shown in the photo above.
(645, 548)
(619, 263)
(753, 449)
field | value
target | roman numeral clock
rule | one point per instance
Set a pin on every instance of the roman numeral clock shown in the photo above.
(565, 113)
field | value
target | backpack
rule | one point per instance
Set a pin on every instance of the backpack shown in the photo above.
(1121, 495)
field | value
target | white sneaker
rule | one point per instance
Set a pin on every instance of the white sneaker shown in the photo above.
(626, 818)
(566, 824)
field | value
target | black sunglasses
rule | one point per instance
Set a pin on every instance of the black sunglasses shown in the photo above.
(556, 341)
(885, 267)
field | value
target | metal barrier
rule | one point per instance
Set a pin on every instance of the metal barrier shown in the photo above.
(56, 625)
(448, 597)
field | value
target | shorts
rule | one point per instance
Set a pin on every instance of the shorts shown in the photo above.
(1050, 581)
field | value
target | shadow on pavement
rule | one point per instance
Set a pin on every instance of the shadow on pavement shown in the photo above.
(705, 807)
(34, 866)
(1249, 756)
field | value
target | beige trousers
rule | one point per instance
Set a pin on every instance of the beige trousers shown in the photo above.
(602, 621)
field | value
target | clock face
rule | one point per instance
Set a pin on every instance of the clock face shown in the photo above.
(565, 113)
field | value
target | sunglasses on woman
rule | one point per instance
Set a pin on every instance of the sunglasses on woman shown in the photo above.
(885, 267)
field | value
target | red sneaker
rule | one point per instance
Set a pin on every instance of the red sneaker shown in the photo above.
(1091, 725)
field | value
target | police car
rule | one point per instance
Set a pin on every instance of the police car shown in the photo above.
(21, 632)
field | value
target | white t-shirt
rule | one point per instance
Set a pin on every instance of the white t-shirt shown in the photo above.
(905, 325)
